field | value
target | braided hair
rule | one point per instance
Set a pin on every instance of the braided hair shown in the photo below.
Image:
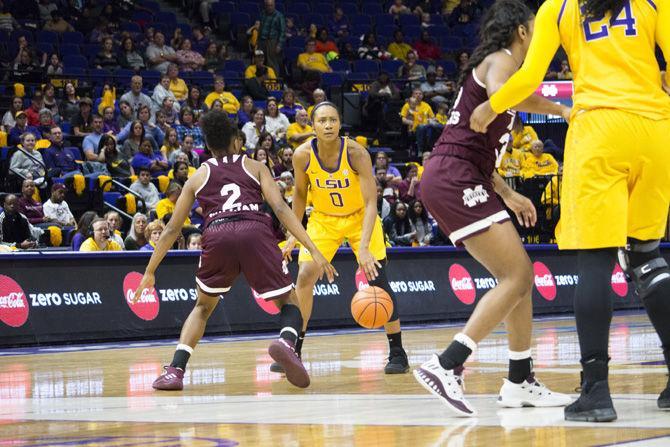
(497, 31)
(596, 9)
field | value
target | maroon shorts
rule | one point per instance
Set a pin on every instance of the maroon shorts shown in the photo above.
(243, 246)
(460, 197)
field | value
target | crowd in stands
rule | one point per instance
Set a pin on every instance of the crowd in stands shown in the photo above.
(99, 91)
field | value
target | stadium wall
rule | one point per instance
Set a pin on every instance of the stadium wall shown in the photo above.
(82, 297)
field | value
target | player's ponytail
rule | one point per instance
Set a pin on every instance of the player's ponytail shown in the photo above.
(497, 31)
(596, 9)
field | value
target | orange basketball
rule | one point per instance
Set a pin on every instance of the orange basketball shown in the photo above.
(371, 307)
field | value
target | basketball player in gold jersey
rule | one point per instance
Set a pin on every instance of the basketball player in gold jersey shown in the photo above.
(338, 173)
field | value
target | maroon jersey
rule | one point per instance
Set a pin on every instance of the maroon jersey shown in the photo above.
(483, 149)
(230, 191)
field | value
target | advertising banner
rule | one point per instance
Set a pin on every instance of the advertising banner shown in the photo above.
(80, 297)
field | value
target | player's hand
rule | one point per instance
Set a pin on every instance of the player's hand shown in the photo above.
(288, 248)
(148, 282)
(664, 79)
(523, 208)
(325, 267)
(368, 264)
(481, 117)
(566, 112)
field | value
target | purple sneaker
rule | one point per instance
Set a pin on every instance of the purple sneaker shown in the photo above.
(283, 353)
(171, 380)
(445, 384)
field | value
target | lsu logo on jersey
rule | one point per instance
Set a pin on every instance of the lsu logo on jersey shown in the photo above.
(332, 183)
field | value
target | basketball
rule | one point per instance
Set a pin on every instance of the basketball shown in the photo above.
(371, 307)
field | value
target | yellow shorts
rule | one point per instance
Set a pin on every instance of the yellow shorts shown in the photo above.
(328, 232)
(616, 180)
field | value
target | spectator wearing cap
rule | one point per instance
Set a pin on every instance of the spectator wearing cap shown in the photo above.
(21, 127)
(188, 59)
(272, 34)
(33, 112)
(276, 123)
(230, 103)
(434, 91)
(82, 124)
(255, 86)
(145, 189)
(159, 54)
(60, 162)
(135, 97)
(259, 61)
(29, 207)
(300, 131)
(100, 240)
(56, 208)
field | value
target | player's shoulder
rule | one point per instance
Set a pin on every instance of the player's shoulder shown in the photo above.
(356, 152)
(303, 151)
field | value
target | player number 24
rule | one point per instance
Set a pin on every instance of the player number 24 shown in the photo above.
(625, 19)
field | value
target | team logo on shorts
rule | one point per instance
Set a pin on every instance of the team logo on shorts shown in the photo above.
(472, 197)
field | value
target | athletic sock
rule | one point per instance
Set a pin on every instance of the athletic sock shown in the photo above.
(181, 356)
(395, 340)
(290, 320)
(520, 366)
(298, 344)
(458, 351)
(657, 305)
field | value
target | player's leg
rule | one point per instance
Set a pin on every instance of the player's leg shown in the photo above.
(191, 333)
(397, 359)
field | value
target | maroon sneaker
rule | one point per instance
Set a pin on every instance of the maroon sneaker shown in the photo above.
(283, 352)
(171, 380)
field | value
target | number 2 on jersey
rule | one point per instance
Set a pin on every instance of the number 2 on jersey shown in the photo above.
(233, 190)
(625, 19)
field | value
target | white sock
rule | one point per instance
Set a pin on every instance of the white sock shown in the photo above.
(465, 340)
(519, 355)
(184, 347)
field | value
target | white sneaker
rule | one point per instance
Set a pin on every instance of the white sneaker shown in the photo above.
(447, 384)
(530, 393)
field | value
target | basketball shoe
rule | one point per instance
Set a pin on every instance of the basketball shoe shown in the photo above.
(398, 363)
(171, 380)
(664, 399)
(530, 393)
(447, 384)
(283, 352)
(593, 405)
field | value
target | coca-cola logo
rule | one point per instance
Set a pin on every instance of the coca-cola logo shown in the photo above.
(268, 306)
(361, 280)
(544, 281)
(13, 303)
(461, 283)
(619, 283)
(147, 306)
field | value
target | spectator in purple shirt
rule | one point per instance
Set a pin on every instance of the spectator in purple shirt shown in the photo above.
(60, 162)
(147, 158)
(20, 128)
(30, 208)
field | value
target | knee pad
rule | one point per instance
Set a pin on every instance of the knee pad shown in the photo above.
(644, 266)
(382, 282)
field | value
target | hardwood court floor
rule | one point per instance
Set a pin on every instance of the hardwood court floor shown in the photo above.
(101, 395)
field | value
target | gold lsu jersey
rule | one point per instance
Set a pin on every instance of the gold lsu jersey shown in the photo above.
(613, 59)
(334, 192)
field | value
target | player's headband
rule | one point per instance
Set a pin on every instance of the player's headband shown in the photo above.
(323, 104)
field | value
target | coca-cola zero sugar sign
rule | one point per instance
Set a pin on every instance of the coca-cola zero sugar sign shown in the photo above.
(544, 281)
(461, 283)
(13, 303)
(619, 284)
(361, 280)
(147, 306)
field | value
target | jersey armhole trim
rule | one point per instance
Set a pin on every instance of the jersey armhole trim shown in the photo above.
(247, 171)
(560, 14)
(209, 173)
(653, 5)
(474, 76)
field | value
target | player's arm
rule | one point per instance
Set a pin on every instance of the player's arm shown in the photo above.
(663, 38)
(173, 229)
(522, 206)
(274, 198)
(360, 162)
(300, 162)
(546, 40)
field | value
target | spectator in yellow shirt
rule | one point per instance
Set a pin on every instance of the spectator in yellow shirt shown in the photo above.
(310, 60)
(523, 135)
(537, 162)
(399, 48)
(100, 239)
(259, 61)
(511, 163)
(177, 85)
(167, 204)
(230, 103)
(416, 115)
(300, 131)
